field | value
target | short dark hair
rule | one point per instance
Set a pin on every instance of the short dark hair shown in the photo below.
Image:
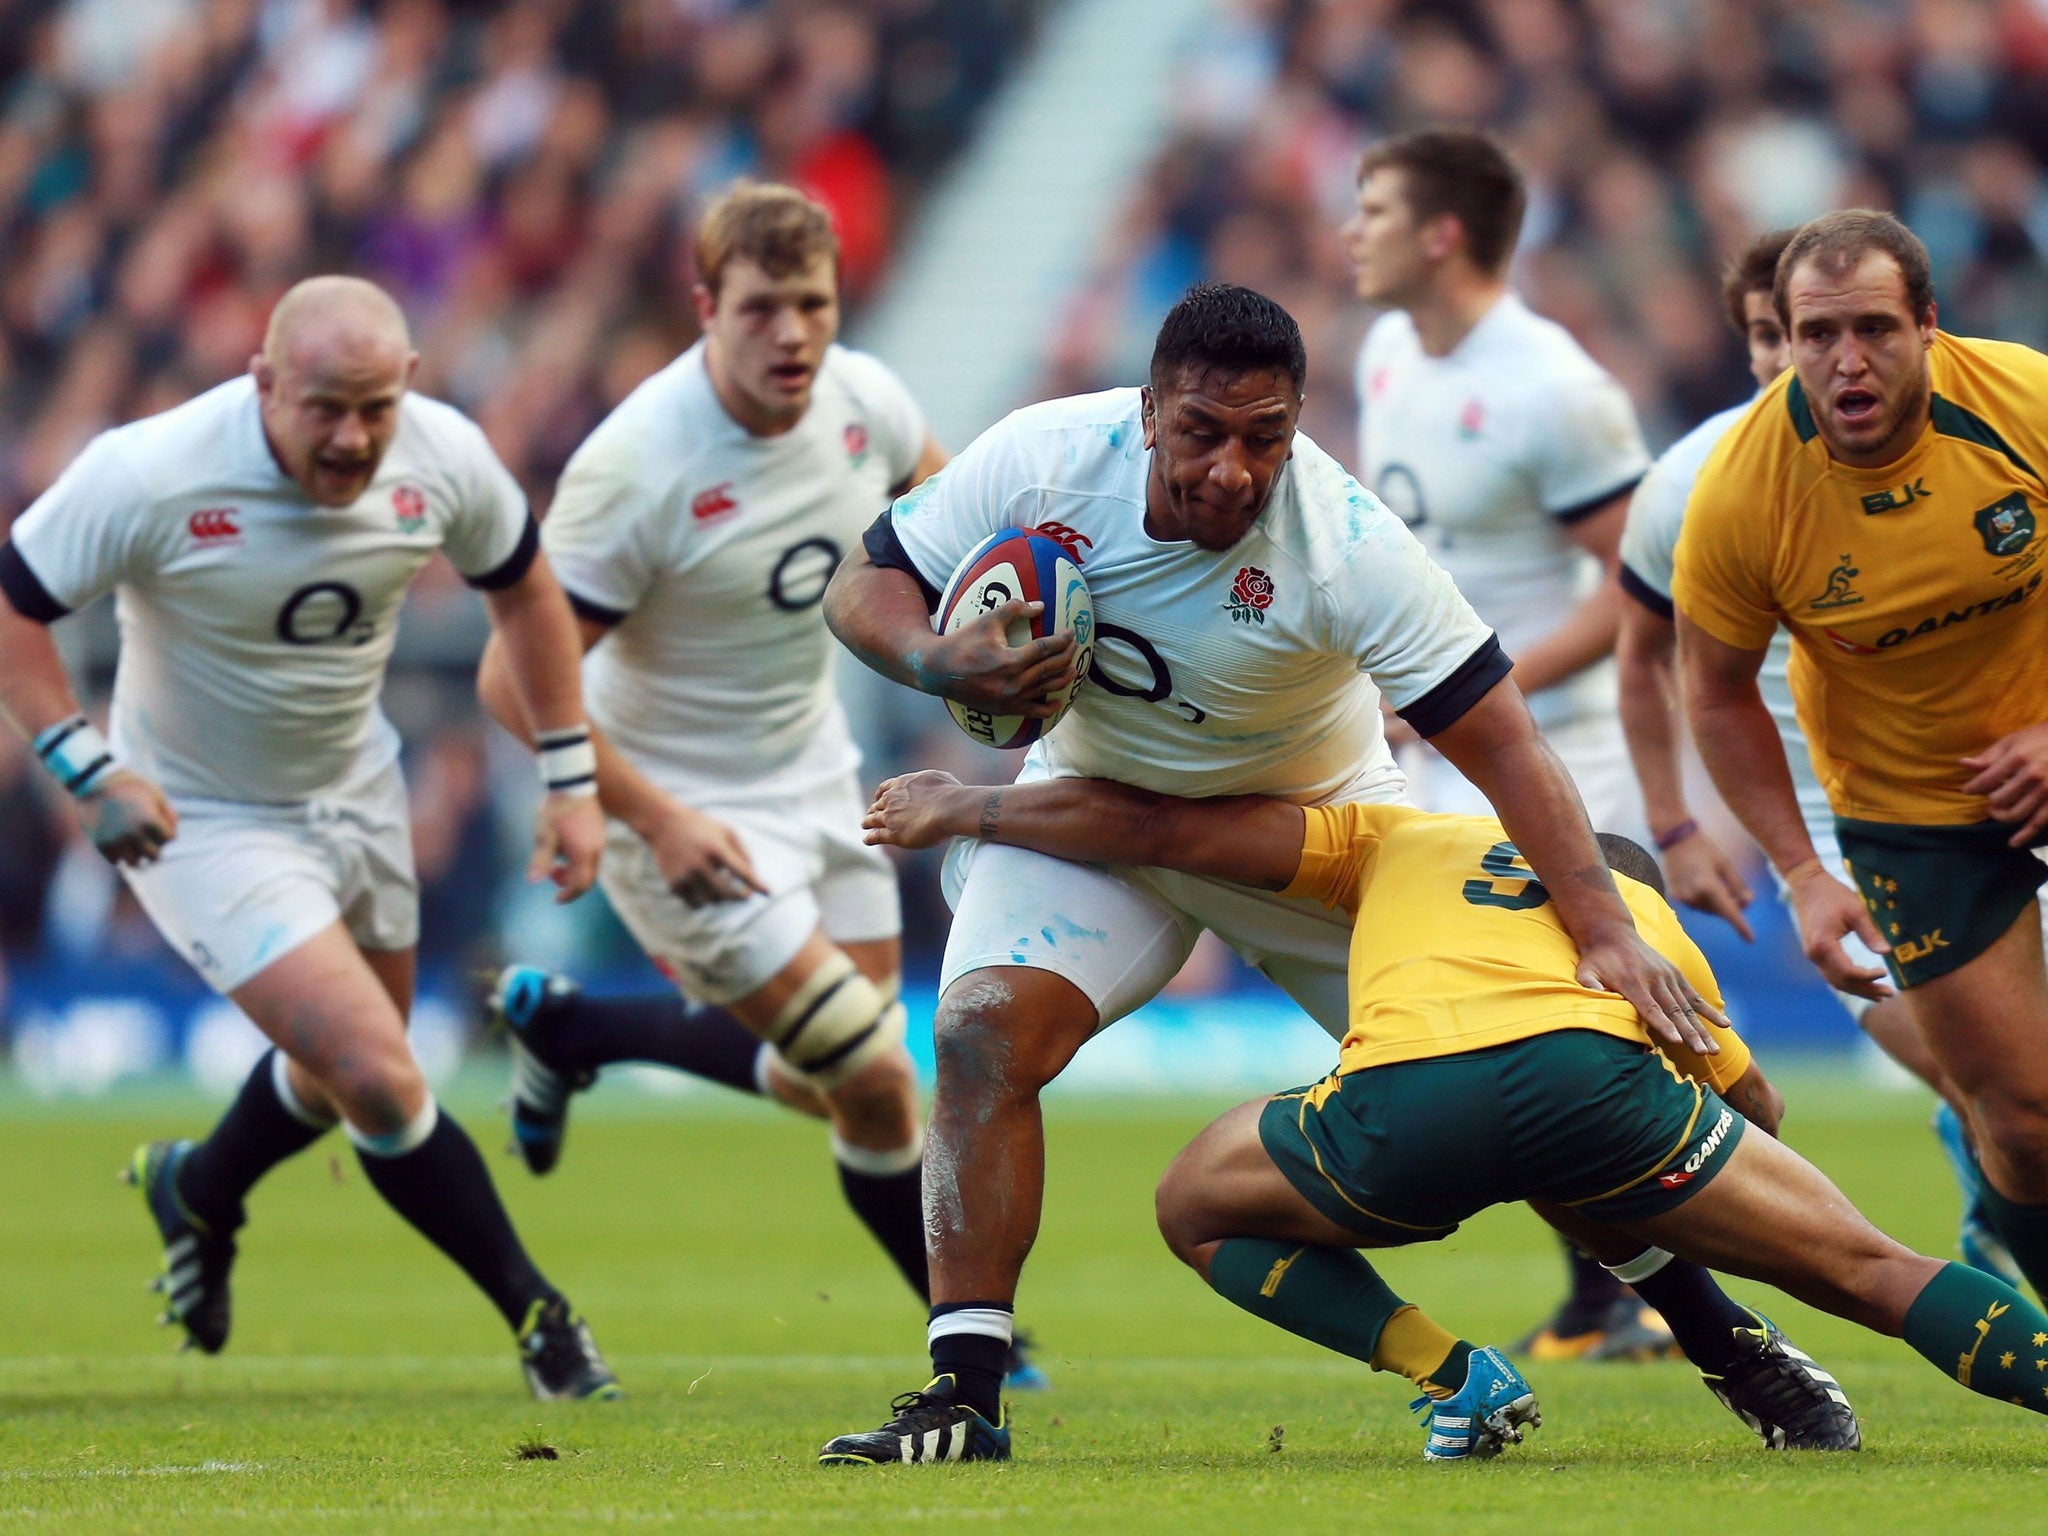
(1231, 328)
(1835, 242)
(777, 228)
(1626, 857)
(1754, 270)
(1463, 172)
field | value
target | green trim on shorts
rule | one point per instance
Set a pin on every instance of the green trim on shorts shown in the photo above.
(1405, 1152)
(1941, 895)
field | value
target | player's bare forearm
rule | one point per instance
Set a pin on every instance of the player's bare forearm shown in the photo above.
(1645, 657)
(1739, 742)
(1586, 636)
(541, 649)
(879, 615)
(1246, 839)
(34, 692)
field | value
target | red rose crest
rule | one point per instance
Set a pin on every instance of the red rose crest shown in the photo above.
(856, 438)
(1250, 595)
(410, 503)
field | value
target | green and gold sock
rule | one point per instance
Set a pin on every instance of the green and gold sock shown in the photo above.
(1332, 1297)
(1983, 1333)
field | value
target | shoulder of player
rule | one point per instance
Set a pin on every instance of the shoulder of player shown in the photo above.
(1330, 527)
(861, 376)
(1068, 442)
(189, 450)
(1999, 383)
(1761, 456)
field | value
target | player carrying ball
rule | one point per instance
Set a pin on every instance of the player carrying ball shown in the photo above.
(1476, 1069)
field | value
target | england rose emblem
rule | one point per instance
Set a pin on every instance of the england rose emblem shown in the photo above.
(1251, 595)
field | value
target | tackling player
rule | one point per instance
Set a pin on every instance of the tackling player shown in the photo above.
(1252, 600)
(1701, 875)
(1881, 500)
(1511, 453)
(695, 531)
(259, 540)
(1476, 1070)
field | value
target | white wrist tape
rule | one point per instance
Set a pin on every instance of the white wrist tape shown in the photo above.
(76, 753)
(568, 761)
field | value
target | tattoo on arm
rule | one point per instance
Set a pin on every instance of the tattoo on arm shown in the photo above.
(991, 816)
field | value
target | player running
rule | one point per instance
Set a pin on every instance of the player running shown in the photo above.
(1252, 602)
(1881, 501)
(695, 532)
(1701, 875)
(1511, 453)
(1476, 1070)
(259, 540)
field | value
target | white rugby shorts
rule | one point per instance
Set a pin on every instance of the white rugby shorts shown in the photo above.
(807, 850)
(1119, 934)
(1595, 754)
(243, 884)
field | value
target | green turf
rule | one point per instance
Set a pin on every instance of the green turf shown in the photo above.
(367, 1389)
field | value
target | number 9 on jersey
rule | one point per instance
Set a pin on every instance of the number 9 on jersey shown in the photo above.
(1019, 563)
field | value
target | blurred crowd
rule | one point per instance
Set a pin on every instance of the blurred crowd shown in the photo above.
(1659, 136)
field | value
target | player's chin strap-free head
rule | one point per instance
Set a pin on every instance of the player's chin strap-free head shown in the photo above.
(837, 1023)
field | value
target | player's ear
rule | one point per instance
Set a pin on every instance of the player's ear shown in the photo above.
(412, 363)
(706, 301)
(264, 375)
(1148, 413)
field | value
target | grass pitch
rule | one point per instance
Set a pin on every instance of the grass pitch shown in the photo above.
(367, 1389)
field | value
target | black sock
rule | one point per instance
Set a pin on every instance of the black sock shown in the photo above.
(443, 1189)
(973, 1360)
(891, 1205)
(256, 1134)
(1593, 1291)
(1702, 1316)
(708, 1042)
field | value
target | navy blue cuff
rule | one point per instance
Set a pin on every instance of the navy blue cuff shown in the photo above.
(1648, 595)
(513, 568)
(887, 551)
(1445, 704)
(1592, 504)
(25, 589)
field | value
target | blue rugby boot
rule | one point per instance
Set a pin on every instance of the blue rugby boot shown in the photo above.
(525, 1003)
(197, 1259)
(1981, 1246)
(1486, 1415)
(1021, 1373)
(928, 1426)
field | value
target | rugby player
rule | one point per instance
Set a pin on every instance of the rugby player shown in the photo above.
(1475, 1070)
(259, 540)
(695, 531)
(1881, 501)
(1252, 602)
(1511, 453)
(1701, 875)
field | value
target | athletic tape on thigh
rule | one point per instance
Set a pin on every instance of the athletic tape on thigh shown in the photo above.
(837, 1022)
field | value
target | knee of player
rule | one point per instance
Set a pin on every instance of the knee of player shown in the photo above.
(377, 1092)
(886, 1084)
(985, 1044)
(2013, 1116)
(1176, 1211)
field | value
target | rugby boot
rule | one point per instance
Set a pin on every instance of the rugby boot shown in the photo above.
(197, 1258)
(1627, 1328)
(926, 1426)
(1490, 1412)
(1776, 1389)
(1980, 1245)
(526, 1004)
(560, 1358)
(1020, 1372)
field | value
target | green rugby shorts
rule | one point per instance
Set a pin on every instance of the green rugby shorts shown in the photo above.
(1941, 895)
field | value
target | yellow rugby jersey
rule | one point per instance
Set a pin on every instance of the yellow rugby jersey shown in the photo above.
(1913, 592)
(1456, 946)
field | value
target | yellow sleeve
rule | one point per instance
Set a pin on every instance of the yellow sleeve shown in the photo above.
(1719, 1072)
(1336, 843)
(1721, 570)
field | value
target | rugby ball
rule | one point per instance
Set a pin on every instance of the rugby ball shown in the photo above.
(1036, 567)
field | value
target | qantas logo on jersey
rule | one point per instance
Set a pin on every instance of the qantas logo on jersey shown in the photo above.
(215, 525)
(1934, 622)
(1250, 595)
(714, 503)
(409, 503)
(1067, 538)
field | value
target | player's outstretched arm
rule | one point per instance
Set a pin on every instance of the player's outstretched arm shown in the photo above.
(878, 613)
(1246, 839)
(1700, 874)
(543, 656)
(1496, 745)
(1739, 743)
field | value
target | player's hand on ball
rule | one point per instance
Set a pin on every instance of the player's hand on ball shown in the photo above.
(2012, 775)
(568, 837)
(1706, 879)
(702, 859)
(128, 818)
(913, 810)
(1658, 990)
(1826, 910)
(977, 665)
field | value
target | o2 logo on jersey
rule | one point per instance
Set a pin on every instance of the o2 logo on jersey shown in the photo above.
(409, 504)
(1158, 685)
(801, 575)
(324, 613)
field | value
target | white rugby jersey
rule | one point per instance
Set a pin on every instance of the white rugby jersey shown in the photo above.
(708, 550)
(1654, 519)
(1250, 670)
(1487, 453)
(255, 624)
